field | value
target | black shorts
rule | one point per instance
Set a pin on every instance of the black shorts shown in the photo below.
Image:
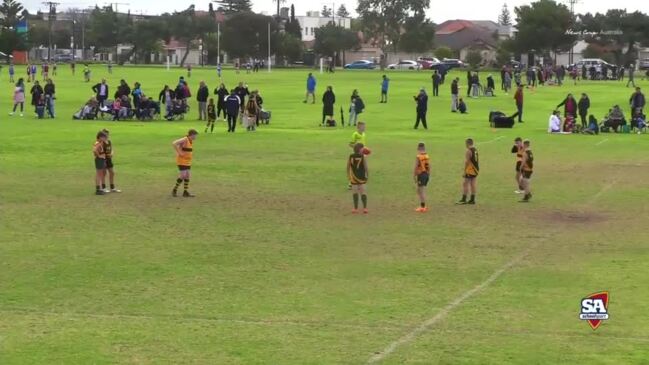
(422, 179)
(527, 174)
(100, 163)
(184, 168)
(109, 162)
(518, 166)
(470, 177)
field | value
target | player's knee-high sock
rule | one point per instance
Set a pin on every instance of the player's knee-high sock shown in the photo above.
(178, 182)
(355, 196)
(472, 198)
(364, 199)
(186, 185)
(212, 130)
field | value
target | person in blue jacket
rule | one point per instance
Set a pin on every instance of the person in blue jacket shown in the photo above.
(310, 88)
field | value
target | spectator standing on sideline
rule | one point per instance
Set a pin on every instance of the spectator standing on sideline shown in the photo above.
(221, 93)
(189, 70)
(19, 96)
(101, 90)
(637, 101)
(631, 75)
(310, 88)
(86, 73)
(12, 72)
(356, 107)
(110, 67)
(508, 82)
(251, 113)
(569, 106)
(166, 97)
(582, 107)
(137, 95)
(37, 93)
(202, 95)
(455, 91)
(469, 81)
(328, 101)
(518, 97)
(50, 96)
(122, 90)
(219, 69)
(242, 92)
(385, 84)
(422, 108)
(436, 81)
(232, 105)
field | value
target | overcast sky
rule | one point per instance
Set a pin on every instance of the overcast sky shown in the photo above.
(456, 9)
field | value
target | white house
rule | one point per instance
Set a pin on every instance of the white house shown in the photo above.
(312, 20)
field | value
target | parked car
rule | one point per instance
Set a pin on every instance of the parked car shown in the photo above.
(452, 63)
(427, 63)
(588, 62)
(644, 64)
(61, 58)
(405, 65)
(361, 65)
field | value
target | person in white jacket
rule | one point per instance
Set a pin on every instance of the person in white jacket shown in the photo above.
(554, 125)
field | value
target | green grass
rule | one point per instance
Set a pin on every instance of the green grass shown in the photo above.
(268, 266)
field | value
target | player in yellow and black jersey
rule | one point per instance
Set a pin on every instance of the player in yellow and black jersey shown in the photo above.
(184, 155)
(518, 149)
(422, 175)
(108, 148)
(471, 171)
(358, 172)
(527, 168)
(100, 162)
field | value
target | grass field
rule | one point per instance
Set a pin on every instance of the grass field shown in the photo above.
(268, 266)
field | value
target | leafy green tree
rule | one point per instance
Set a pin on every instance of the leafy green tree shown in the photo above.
(288, 47)
(505, 17)
(10, 40)
(618, 31)
(444, 52)
(293, 26)
(326, 12)
(384, 19)
(331, 39)
(342, 11)
(186, 27)
(234, 6)
(504, 52)
(103, 28)
(246, 35)
(418, 36)
(543, 26)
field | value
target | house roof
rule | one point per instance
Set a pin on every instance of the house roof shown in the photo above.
(452, 26)
(467, 37)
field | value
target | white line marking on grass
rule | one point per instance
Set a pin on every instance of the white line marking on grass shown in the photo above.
(408, 337)
(602, 141)
(426, 325)
(491, 140)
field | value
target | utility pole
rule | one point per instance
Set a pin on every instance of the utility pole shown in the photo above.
(572, 48)
(50, 21)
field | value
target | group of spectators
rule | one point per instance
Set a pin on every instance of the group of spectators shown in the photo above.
(356, 106)
(614, 120)
(42, 98)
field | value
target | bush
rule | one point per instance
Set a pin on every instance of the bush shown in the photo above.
(473, 58)
(444, 52)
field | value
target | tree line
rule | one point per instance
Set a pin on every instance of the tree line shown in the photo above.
(541, 27)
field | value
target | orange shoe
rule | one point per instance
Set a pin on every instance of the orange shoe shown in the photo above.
(421, 210)
(365, 211)
(354, 211)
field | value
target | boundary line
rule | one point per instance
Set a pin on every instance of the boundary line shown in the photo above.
(427, 324)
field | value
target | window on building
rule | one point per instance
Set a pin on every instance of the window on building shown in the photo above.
(306, 30)
(312, 31)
